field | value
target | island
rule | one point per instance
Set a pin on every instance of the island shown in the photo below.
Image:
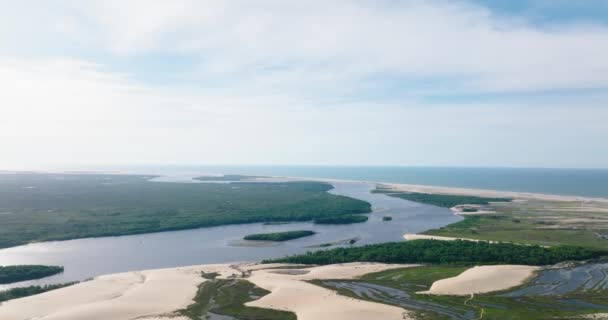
(440, 200)
(11, 274)
(341, 219)
(280, 236)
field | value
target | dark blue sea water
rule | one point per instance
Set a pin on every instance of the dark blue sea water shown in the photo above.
(579, 182)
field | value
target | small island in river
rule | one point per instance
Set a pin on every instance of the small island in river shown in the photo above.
(280, 236)
(11, 274)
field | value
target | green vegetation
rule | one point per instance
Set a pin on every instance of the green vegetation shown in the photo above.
(10, 274)
(534, 221)
(16, 293)
(447, 252)
(342, 219)
(523, 230)
(491, 306)
(228, 297)
(280, 236)
(350, 241)
(226, 177)
(440, 200)
(43, 207)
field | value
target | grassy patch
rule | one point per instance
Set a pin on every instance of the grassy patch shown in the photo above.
(43, 207)
(419, 276)
(280, 236)
(227, 297)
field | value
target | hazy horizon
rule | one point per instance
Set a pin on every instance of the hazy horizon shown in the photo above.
(474, 83)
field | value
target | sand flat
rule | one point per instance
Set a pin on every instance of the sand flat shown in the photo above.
(489, 193)
(413, 236)
(483, 279)
(144, 294)
(157, 294)
(311, 302)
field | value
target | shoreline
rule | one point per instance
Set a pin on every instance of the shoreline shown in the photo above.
(407, 187)
(516, 195)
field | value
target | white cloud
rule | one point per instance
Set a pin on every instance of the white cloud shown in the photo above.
(353, 39)
(267, 83)
(70, 112)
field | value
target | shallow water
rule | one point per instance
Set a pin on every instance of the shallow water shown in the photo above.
(591, 277)
(86, 258)
(397, 297)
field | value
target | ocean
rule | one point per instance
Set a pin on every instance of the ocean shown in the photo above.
(577, 182)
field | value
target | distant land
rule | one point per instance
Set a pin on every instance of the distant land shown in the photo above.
(579, 182)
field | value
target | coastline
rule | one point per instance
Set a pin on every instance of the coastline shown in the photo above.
(516, 195)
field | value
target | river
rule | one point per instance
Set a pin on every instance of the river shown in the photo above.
(87, 258)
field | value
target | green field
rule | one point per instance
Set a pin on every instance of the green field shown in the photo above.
(509, 229)
(533, 221)
(546, 223)
(280, 236)
(11, 274)
(42, 207)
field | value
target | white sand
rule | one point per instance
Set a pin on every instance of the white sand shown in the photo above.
(596, 316)
(488, 193)
(157, 294)
(480, 210)
(413, 236)
(143, 294)
(311, 302)
(483, 279)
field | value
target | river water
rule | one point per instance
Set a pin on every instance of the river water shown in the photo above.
(86, 258)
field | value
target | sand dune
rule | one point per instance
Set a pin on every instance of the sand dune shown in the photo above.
(311, 302)
(146, 294)
(483, 279)
(156, 294)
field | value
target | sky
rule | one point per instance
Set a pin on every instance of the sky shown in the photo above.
(341, 82)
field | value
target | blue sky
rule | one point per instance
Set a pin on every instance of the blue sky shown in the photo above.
(440, 83)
